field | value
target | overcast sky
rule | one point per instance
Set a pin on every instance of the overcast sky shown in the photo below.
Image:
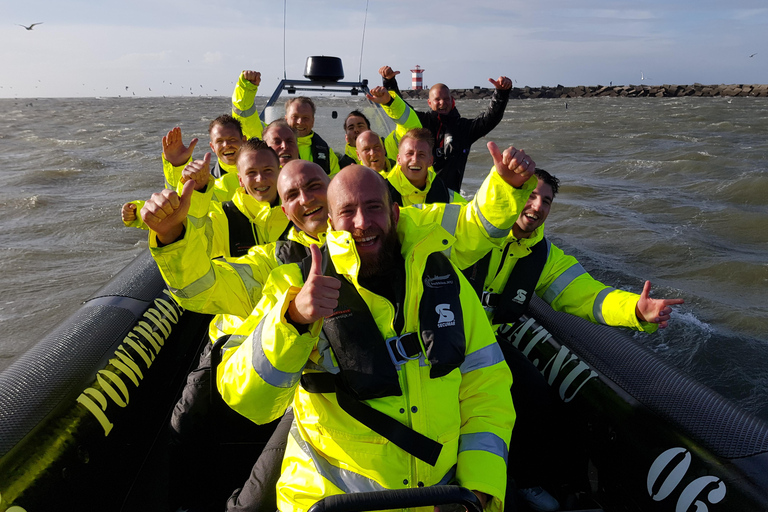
(183, 47)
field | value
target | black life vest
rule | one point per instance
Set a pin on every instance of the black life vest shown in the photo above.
(242, 235)
(513, 301)
(368, 363)
(217, 171)
(437, 193)
(321, 153)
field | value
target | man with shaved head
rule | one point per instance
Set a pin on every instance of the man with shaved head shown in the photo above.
(454, 135)
(369, 399)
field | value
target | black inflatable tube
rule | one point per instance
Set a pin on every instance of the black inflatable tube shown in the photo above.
(65, 360)
(705, 415)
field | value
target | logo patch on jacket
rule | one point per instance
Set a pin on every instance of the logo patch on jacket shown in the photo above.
(438, 281)
(520, 297)
(446, 315)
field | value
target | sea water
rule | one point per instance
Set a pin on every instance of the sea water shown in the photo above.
(673, 190)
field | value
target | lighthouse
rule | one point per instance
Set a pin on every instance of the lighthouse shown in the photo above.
(416, 78)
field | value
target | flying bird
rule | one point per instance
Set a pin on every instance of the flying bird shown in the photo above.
(30, 27)
(752, 55)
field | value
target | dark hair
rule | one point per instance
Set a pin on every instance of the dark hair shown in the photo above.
(420, 134)
(256, 144)
(550, 180)
(357, 113)
(300, 99)
(226, 120)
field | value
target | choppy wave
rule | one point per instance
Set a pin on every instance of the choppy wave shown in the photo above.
(671, 190)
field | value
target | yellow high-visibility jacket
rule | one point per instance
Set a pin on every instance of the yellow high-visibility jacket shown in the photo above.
(412, 195)
(234, 286)
(244, 108)
(468, 411)
(212, 228)
(405, 118)
(565, 285)
(305, 153)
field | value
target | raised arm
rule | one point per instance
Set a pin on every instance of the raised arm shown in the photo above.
(175, 156)
(488, 120)
(243, 103)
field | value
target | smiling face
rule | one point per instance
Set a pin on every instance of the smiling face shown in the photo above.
(303, 187)
(257, 172)
(358, 202)
(225, 142)
(354, 126)
(440, 99)
(283, 140)
(300, 117)
(535, 211)
(414, 158)
(370, 151)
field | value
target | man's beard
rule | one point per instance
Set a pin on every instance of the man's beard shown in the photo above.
(383, 260)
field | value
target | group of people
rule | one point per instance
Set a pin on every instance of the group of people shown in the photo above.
(359, 293)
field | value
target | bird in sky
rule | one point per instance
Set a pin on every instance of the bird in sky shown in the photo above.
(752, 55)
(30, 27)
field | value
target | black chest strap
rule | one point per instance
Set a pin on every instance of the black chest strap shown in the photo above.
(321, 153)
(367, 361)
(242, 235)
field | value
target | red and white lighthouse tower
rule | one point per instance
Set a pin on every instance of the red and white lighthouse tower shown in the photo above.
(416, 78)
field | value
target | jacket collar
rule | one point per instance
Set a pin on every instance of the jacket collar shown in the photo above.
(405, 187)
(529, 242)
(252, 208)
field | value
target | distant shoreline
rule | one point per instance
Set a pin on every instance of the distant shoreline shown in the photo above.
(611, 91)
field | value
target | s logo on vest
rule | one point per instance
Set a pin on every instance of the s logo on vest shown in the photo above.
(446, 315)
(439, 282)
(520, 297)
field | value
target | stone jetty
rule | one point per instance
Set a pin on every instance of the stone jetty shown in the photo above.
(611, 91)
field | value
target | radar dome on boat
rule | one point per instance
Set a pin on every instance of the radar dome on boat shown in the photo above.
(325, 69)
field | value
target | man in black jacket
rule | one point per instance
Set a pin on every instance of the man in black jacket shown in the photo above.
(454, 135)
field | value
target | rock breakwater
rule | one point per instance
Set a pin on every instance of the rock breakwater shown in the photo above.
(612, 91)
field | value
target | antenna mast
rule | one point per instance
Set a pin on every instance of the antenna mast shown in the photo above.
(362, 43)
(285, 8)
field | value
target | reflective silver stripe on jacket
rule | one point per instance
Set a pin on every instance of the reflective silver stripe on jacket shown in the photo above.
(244, 113)
(492, 230)
(597, 307)
(264, 368)
(404, 117)
(484, 441)
(245, 273)
(197, 287)
(483, 358)
(346, 480)
(563, 280)
(449, 222)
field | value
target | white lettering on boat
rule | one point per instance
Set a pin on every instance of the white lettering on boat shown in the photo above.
(139, 349)
(564, 364)
(675, 463)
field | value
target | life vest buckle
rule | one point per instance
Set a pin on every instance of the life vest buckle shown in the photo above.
(490, 300)
(405, 347)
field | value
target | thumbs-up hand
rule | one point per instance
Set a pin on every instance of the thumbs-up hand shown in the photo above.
(514, 166)
(319, 295)
(165, 212)
(199, 171)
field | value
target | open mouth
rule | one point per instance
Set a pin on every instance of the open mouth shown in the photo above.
(365, 241)
(313, 211)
